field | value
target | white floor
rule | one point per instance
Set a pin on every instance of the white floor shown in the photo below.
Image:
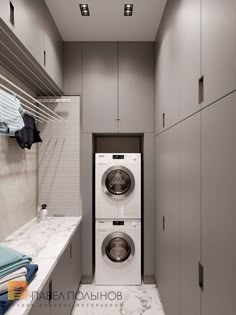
(125, 300)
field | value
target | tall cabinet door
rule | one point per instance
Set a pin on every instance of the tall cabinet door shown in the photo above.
(218, 48)
(218, 207)
(190, 201)
(159, 213)
(172, 221)
(100, 87)
(136, 88)
(168, 213)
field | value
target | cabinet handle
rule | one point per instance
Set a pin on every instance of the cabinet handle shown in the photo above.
(45, 58)
(201, 275)
(163, 120)
(201, 90)
(12, 14)
(70, 250)
(163, 223)
(50, 292)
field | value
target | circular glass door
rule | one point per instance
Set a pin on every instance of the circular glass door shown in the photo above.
(118, 247)
(118, 181)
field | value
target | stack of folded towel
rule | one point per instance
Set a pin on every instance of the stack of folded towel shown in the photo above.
(14, 266)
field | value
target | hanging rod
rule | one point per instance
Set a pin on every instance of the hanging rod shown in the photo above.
(31, 97)
(10, 38)
(28, 110)
(25, 100)
(36, 113)
(55, 117)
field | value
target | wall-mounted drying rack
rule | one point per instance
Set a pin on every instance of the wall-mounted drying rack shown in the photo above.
(31, 105)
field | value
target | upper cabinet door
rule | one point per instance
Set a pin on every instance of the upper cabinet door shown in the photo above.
(167, 83)
(189, 25)
(100, 82)
(53, 49)
(5, 11)
(136, 88)
(29, 26)
(218, 48)
(218, 207)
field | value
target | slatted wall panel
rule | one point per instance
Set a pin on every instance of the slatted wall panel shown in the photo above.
(59, 160)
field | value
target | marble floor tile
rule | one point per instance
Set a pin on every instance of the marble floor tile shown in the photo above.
(118, 300)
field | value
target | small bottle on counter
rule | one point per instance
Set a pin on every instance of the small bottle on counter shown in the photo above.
(44, 212)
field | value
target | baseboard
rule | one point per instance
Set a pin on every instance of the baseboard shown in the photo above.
(87, 279)
(149, 279)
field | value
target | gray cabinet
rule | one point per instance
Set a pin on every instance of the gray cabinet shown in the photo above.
(42, 304)
(218, 48)
(118, 88)
(5, 11)
(29, 26)
(167, 83)
(189, 43)
(73, 68)
(172, 223)
(63, 283)
(100, 87)
(62, 303)
(177, 216)
(168, 209)
(53, 48)
(136, 86)
(190, 213)
(160, 244)
(218, 207)
(36, 30)
(76, 259)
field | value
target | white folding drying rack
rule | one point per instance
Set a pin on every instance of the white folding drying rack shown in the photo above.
(35, 107)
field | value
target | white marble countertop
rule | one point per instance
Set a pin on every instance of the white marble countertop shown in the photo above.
(45, 242)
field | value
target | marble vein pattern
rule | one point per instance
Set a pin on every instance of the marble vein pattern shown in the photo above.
(44, 242)
(118, 300)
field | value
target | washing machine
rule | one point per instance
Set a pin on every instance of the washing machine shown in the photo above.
(118, 252)
(118, 186)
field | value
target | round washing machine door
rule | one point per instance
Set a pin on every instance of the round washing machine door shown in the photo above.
(118, 247)
(118, 182)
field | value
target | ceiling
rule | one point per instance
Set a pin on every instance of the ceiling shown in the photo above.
(107, 21)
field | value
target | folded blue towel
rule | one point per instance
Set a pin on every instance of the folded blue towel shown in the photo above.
(11, 260)
(5, 304)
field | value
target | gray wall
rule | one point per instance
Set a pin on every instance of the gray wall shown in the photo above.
(17, 180)
(73, 85)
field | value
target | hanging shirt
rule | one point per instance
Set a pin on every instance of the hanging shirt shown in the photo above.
(29, 134)
(10, 112)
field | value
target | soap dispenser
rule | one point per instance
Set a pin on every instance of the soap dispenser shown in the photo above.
(44, 214)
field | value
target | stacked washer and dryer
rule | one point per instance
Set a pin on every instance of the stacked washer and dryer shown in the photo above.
(118, 219)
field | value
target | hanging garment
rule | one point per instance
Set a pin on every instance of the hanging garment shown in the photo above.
(29, 134)
(10, 113)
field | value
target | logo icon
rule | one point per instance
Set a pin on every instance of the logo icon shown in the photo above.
(17, 290)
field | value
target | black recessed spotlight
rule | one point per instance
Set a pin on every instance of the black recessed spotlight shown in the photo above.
(84, 9)
(128, 10)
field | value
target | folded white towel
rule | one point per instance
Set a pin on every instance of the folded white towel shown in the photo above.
(4, 286)
(15, 274)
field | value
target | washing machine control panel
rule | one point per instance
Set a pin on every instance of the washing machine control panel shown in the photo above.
(107, 157)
